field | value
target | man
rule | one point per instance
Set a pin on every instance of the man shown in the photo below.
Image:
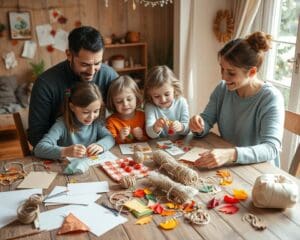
(84, 63)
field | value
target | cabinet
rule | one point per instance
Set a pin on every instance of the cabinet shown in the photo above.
(135, 59)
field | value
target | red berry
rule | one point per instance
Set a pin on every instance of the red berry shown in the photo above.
(128, 169)
(137, 166)
(123, 165)
(131, 163)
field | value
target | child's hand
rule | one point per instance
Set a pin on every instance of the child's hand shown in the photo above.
(138, 133)
(159, 125)
(124, 132)
(196, 124)
(94, 149)
(76, 150)
(176, 126)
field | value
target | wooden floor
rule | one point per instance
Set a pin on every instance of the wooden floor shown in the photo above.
(9, 145)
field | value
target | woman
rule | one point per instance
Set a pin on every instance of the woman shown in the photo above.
(249, 112)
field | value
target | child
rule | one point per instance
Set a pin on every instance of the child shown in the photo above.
(79, 132)
(166, 110)
(127, 124)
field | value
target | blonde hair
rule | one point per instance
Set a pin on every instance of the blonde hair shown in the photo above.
(81, 95)
(247, 52)
(157, 77)
(117, 86)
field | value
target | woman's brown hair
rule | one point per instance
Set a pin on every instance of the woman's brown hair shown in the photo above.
(117, 86)
(157, 77)
(248, 52)
(81, 95)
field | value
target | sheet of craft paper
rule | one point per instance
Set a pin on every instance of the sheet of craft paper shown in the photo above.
(82, 199)
(101, 158)
(87, 187)
(29, 49)
(43, 34)
(10, 201)
(193, 154)
(38, 180)
(129, 148)
(61, 40)
(170, 147)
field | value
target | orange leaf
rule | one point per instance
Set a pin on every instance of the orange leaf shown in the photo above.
(139, 193)
(172, 205)
(144, 220)
(240, 194)
(167, 212)
(169, 224)
(223, 173)
(147, 191)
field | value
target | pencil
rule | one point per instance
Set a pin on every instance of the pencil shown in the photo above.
(25, 235)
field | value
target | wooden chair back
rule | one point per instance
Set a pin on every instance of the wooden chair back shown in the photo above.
(292, 124)
(21, 122)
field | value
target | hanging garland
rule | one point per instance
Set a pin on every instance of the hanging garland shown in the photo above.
(223, 26)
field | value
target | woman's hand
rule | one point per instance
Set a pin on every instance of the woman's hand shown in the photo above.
(159, 125)
(76, 150)
(216, 157)
(176, 126)
(196, 124)
(138, 133)
(124, 132)
(94, 149)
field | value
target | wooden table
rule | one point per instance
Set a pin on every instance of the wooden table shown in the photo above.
(281, 224)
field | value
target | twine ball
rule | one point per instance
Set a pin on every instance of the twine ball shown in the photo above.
(274, 191)
(138, 156)
(128, 181)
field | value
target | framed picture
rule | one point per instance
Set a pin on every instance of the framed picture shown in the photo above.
(20, 25)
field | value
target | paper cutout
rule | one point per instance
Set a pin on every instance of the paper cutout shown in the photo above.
(169, 224)
(167, 212)
(38, 180)
(29, 49)
(138, 208)
(54, 14)
(193, 154)
(129, 148)
(228, 209)
(213, 203)
(139, 193)
(157, 208)
(144, 220)
(240, 194)
(230, 199)
(72, 224)
(44, 36)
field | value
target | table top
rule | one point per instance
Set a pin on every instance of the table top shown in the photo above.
(281, 224)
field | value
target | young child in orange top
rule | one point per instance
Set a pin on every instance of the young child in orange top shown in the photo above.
(127, 124)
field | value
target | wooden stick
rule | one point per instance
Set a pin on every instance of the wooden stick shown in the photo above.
(25, 235)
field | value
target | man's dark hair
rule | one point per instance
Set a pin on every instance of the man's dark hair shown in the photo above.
(85, 37)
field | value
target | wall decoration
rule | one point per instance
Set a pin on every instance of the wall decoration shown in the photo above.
(20, 25)
(223, 26)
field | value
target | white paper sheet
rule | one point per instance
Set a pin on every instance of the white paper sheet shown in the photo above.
(29, 49)
(83, 199)
(193, 154)
(10, 201)
(61, 40)
(43, 35)
(87, 187)
(128, 148)
(101, 158)
(96, 217)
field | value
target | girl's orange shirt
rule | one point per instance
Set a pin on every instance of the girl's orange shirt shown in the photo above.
(114, 124)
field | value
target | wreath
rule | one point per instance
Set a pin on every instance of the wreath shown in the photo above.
(223, 26)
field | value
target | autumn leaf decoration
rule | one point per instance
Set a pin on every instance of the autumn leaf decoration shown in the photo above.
(169, 224)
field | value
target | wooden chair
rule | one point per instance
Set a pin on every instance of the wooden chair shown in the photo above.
(292, 124)
(20, 119)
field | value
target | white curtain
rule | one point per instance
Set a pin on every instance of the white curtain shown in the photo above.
(244, 12)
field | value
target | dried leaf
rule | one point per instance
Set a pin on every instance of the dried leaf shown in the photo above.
(240, 194)
(150, 203)
(206, 189)
(213, 203)
(144, 220)
(150, 197)
(157, 208)
(172, 205)
(139, 193)
(167, 212)
(223, 173)
(189, 207)
(169, 224)
(230, 199)
(228, 209)
(147, 191)
(225, 181)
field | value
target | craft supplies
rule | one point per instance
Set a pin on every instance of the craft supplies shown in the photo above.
(175, 191)
(175, 170)
(274, 191)
(11, 174)
(127, 181)
(138, 156)
(138, 208)
(76, 166)
(254, 221)
(72, 224)
(29, 211)
(198, 217)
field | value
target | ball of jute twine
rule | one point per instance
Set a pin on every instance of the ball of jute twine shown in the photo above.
(175, 170)
(128, 181)
(274, 191)
(175, 191)
(138, 156)
(29, 210)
